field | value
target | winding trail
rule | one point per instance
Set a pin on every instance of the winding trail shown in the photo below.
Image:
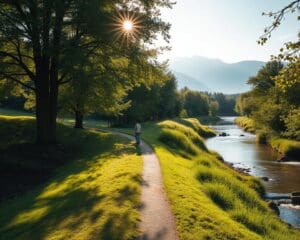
(157, 220)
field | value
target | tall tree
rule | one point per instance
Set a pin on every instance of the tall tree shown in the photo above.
(37, 37)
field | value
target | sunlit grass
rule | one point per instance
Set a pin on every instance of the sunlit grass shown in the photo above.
(286, 146)
(246, 123)
(195, 124)
(94, 195)
(209, 199)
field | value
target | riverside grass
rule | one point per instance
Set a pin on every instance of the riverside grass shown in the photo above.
(93, 194)
(209, 199)
(282, 145)
(246, 123)
(286, 146)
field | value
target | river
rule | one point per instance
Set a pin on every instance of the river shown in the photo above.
(240, 149)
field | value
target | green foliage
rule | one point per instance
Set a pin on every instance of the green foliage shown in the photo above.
(195, 103)
(288, 82)
(263, 81)
(46, 44)
(153, 101)
(292, 123)
(226, 104)
(273, 103)
(245, 104)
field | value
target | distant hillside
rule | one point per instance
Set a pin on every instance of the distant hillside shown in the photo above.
(201, 73)
(187, 81)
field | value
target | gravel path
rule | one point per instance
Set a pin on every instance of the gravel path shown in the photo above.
(157, 220)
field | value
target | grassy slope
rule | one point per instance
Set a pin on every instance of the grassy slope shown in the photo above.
(282, 145)
(93, 194)
(210, 200)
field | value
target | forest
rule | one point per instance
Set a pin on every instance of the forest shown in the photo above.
(157, 100)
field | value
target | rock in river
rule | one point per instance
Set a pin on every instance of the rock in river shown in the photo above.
(266, 179)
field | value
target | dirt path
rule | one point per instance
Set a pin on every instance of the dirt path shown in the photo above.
(157, 221)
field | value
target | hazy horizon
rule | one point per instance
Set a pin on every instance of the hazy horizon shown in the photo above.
(214, 58)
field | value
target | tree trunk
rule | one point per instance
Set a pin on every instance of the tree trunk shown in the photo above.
(46, 108)
(78, 120)
(46, 130)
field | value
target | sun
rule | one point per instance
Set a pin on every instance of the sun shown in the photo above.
(126, 26)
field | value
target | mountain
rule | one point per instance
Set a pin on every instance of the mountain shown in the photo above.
(201, 73)
(184, 80)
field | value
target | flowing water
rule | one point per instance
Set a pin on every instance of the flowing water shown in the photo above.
(240, 149)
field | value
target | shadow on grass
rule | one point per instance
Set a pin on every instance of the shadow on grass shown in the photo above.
(51, 208)
(73, 201)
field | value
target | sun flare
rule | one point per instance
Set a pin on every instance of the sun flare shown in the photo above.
(126, 26)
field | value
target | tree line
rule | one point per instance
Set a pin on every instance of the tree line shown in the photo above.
(150, 100)
(274, 101)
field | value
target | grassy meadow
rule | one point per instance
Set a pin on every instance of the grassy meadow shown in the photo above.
(88, 187)
(209, 199)
(91, 189)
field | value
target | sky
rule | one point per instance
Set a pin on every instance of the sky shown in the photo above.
(226, 29)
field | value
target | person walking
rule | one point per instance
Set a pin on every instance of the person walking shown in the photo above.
(137, 132)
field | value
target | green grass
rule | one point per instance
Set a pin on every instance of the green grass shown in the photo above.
(195, 124)
(96, 195)
(209, 199)
(246, 123)
(12, 112)
(181, 137)
(286, 146)
(91, 191)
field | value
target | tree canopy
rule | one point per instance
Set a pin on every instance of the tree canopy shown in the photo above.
(42, 41)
